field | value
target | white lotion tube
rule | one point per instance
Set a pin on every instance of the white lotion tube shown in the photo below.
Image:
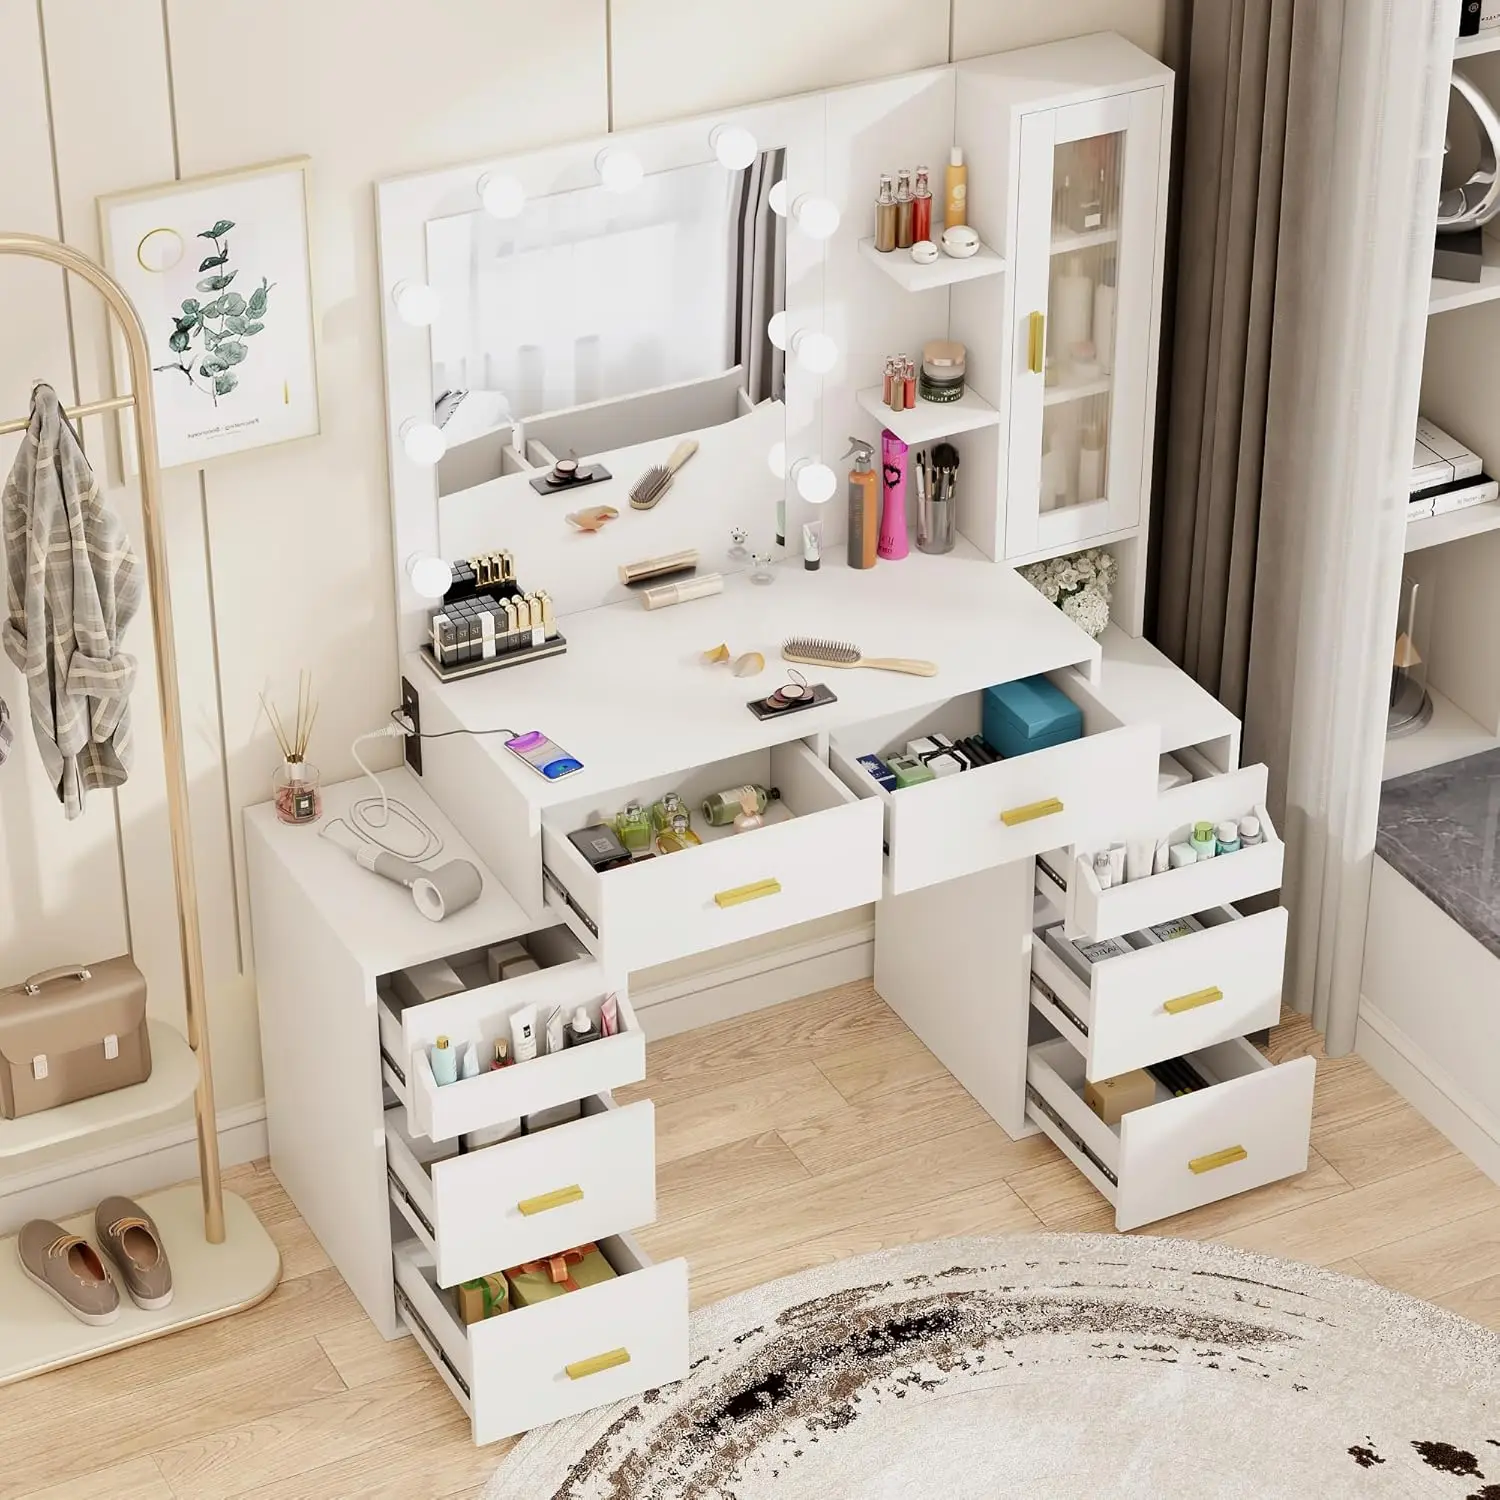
(523, 1033)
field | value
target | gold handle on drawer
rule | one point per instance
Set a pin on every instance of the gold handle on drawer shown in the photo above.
(1036, 342)
(752, 892)
(610, 1361)
(1209, 996)
(557, 1198)
(1031, 812)
(1227, 1157)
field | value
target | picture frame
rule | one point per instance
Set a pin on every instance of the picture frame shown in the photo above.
(219, 269)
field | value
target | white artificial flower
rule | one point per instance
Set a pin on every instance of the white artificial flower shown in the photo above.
(1050, 590)
(1088, 610)
(1069, 578)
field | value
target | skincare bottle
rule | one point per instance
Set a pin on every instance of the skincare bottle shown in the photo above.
(523, 1033)
(903, 210)
(633, 827)
(885, 216)
(444, 1062)
(1088, 214)
(581, 1029)
(1102, 872)
(909, 384)
(553, 1030)
(886, 389)
(1205, 843)
(1104, 319)
(864, 504)
(812, 546)
(668, 805)
(1251, 833)
(469, 1065)
(502, 1055)
(679, 836)
(609, 1016)
(1091, 466)
(956, 190)
(893, 543)
(1227, 837)
(721, 809)
(921, 208)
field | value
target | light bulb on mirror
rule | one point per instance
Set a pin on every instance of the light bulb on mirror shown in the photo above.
(502, 195)
(620, 171)
(431, 577)
(735, 147)
(777, 199)
(818, 218)
(776, 330)
(416, 303)
(816, 352)
(776, 459)
(816, 482)
(423, 442)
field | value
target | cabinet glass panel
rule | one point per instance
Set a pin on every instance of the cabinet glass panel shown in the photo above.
(1086, 199)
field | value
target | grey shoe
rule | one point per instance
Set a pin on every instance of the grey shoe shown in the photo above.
(129, 1237)
(69, 1268)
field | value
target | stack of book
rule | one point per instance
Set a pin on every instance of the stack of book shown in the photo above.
(1445, 475)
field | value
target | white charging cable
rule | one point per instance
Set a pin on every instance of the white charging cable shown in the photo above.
(370, 830)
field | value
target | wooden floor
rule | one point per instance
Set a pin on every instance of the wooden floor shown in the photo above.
(802, 1134)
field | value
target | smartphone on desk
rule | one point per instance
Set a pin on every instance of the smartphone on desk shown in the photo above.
(543, 756)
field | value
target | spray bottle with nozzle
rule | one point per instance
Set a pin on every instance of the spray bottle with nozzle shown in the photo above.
(864, 504)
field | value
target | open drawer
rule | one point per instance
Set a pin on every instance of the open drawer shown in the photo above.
(1170, 998)
(818, 853)
(529, 1196)
(1011, 810)
(482, 1015)
(535, 1364)
(1249, 1128)
(1102, 913)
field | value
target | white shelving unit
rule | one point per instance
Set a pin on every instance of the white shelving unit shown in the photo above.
(1069, 244)
(930, 421)
(1433, 531)
(1448, 296)
(1477, 46)
(944, 271)
(1060, 395)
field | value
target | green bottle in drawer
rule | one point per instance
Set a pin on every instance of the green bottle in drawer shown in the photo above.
(722, 808)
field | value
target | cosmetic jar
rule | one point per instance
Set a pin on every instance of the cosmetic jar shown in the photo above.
(1250, 832)
(1205, 843)
(943, 364)
(1227, 836)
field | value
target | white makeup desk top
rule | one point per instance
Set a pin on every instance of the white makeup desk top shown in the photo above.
(632, 698)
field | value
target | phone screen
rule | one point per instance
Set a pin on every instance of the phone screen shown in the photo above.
(544, 757)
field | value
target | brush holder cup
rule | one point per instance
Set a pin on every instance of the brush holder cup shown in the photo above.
(297, 790)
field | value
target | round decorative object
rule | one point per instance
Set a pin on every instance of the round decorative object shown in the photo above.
(924, 252)
(1476, 201)
(960, 241)
(1049, 1365)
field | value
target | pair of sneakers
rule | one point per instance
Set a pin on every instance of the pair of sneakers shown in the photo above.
(67, 1266)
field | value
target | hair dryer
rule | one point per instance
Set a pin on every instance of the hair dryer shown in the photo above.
(438, 893)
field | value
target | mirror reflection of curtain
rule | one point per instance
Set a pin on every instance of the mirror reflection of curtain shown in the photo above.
(760, 266)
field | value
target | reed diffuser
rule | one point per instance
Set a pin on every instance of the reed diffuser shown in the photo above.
(295, 785)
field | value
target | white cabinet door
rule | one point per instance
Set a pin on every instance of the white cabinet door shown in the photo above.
(1086, 276)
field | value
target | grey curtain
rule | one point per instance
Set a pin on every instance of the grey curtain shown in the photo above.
(760, 276)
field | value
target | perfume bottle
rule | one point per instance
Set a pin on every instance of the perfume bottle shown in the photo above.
(722, 808)
(633, 827)
(678, 836)
(666, 808)
(903, 210)
(1088, 213)
(885, 216)
(921, 208)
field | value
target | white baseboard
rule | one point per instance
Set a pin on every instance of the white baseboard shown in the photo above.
(1429, 1089)
(755, 983)
(136, 1166)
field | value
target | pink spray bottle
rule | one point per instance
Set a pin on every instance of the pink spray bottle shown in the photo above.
(893, 452)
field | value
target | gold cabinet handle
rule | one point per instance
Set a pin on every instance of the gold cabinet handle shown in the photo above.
(752, 892)
(1037, 342)
(1210, 996)
(1031, 812)
(557, 1198)
(610, 1361)
(1211, 1163)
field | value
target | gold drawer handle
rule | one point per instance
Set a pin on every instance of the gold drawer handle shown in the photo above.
(610, 1361)
(752, 892)
(558, 1198)
(1210, 996)
(1227, 1157)
(1031, 812)
(1037, 342)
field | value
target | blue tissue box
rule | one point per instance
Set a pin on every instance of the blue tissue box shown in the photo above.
(1029, 714)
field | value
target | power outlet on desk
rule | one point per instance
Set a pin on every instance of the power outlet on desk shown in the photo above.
(411, 706)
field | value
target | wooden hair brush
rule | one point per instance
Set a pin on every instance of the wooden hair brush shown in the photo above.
(818, 653)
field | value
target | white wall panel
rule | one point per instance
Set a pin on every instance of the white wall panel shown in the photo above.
(981, 26)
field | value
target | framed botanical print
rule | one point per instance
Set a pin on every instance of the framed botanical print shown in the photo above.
(218, 269)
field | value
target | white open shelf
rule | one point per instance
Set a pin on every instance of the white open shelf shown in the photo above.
(1067, 242)
(1433, 531)
(944, 271)
(1448, 295)
(928, 421)
(174, 1076)
(1449, 735)
(1477, 46)
(1058, 394)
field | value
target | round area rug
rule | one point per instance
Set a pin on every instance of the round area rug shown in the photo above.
(1048, 1365)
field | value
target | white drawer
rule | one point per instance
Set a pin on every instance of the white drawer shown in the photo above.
(1168, 999)
(485, 1210)
(819, 852)
(1011, 810)
(1097, 913)
(536, 1364)
(1250, 1128)
(481, 1016)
